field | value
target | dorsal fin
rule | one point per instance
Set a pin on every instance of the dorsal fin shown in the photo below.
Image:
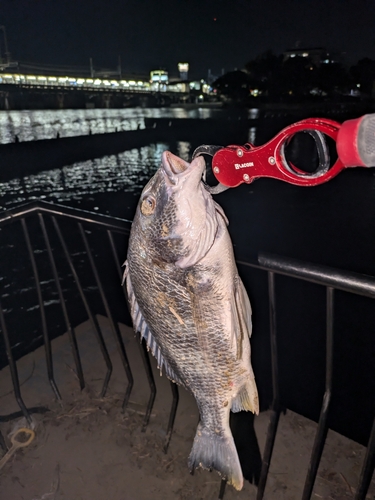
(140, 326)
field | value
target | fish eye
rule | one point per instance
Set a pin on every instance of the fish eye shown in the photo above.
(148, 205)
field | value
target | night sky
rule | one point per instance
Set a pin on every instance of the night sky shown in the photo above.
(151, 34)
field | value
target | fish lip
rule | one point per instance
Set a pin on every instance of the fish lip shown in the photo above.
(176, 168)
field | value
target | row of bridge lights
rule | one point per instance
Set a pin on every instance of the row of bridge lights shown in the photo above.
(65, 80)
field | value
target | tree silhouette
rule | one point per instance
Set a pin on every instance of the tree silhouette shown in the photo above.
(333, 78)
(363, 73)
(295, 78)
(234, 85)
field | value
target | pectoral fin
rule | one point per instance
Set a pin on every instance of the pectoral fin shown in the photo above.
(247, 397)
(241, 316)
(243, 307)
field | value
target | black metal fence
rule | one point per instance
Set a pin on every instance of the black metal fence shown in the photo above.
(47, 219)
(57, 233)
(332, 280)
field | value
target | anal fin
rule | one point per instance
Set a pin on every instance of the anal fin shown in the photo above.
(247, 398)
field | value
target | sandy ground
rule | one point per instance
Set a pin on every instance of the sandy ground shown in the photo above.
(88, 449)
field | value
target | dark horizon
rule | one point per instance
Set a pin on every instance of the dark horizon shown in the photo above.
(209, 34)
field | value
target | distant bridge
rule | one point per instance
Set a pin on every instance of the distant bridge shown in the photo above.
(74, 83)
(27, 91)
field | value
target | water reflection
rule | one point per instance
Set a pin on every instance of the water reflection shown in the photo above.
(31, 125)
(253, 113)
(83, 182)
(252, 135)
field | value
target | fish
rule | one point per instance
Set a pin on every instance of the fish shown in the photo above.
(188, 302)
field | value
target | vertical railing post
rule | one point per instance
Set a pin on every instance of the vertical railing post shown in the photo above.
(322, 430)
(172, 415)
(223, 484)
(47, 341)
(92, 317)
(70, 330)
(113, 324)
(142, 344)
(13, 369)
(367, 468)
(151, 383)
(275, 409)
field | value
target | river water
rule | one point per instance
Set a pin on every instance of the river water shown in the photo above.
(90, 184)
(31, 125)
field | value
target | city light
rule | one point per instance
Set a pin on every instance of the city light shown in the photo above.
(183, 67)
(158, 82)
(159, 76)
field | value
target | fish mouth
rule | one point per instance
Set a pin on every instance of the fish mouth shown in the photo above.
(173, 163)
(175, 167)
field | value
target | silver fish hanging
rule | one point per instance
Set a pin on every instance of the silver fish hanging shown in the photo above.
(189, 304)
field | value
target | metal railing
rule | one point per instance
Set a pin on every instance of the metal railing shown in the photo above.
(86, 222)
(332, 279)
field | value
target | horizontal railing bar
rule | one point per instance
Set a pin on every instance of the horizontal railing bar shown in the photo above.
(109, 222)
(360, 284)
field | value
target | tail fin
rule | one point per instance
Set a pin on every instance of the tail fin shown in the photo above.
(216, 451)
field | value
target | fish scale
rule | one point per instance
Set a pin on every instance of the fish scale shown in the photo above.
(189, 304)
